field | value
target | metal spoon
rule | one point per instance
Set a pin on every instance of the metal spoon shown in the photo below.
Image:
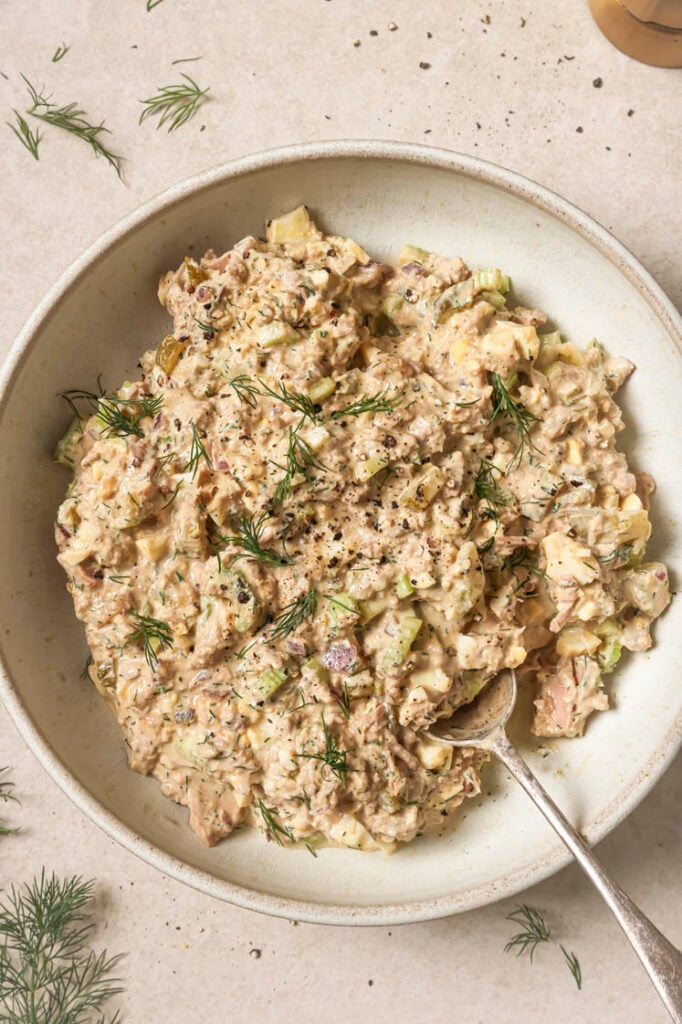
(482, 725)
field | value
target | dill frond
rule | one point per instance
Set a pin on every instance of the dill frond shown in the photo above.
(30, 140)
(174, 104)
(293, 615)
(533, 930)
(155, 635)
(370, 403)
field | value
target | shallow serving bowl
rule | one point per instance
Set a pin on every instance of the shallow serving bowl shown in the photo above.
(104, 313)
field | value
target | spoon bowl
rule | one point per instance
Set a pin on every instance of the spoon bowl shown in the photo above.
(479, 723)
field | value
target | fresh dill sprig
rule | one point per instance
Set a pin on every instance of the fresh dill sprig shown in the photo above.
(47, 972)
(175, 104)
(6, 794)
(344, 700)
(197, 452)
(273, 828)
(574, 967)
(293, 399)
(183, 60)
(534, 930)
(300, 459)
(486, 488)
(60, 52)
(248, 537)
(520, 417)
(519, 557)
(30, 140)
(205, 325)
(370, 403)
(151, 4)
(122, 416)
(335, 759)
(245, 389)
(70, 118)
(293, 614)
(154, 634)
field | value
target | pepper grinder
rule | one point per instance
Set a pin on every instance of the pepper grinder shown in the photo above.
(648, 30)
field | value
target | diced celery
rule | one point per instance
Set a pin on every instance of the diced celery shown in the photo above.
(187, 745)
(505, 284)
(487, 280)
(611, 648)
(403, 587)
(400, 644)
(66, 452)
(370, 467)
(315, 667)
(413, 254)
(392, 304)
(343, 609)
(277, 333)
(360, 684)
(495, 299)
(371, 608)
(473, 681)
(321, 389)
(271, 680)
(552, 338)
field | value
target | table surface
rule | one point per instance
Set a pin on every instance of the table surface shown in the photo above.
(531, 86)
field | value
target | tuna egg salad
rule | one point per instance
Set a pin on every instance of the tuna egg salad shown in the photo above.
(340, 498)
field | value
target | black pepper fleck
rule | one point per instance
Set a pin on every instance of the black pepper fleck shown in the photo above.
(424, 65)
(597, 83)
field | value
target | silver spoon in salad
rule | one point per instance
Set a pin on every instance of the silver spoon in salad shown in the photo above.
(481, 725)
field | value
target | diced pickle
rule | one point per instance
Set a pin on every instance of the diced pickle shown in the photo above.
(241, 594)
(384, 326)
(168, 353)
(370, 467)
(66, 452)
(457, 296)
(195, 273)
(611, 647)
(403, 587)
(413, 254)
(322, 389)
(421, 492)
(276, 333)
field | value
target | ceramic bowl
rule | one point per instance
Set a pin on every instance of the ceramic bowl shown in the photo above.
(103, 313)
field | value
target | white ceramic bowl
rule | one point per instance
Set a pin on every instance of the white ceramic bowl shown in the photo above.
(104, 313)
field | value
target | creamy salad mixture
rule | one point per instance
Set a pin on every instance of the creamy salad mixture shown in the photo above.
(341, 497)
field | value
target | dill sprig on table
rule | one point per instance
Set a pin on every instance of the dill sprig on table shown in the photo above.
(70, 118)
(335, 759)
(6, 794)
(520, 417)
(273, 828)
(155, 635)
(30, 140)
(573, 966)
(47, 973)
(151, 4)
(293, 615)
(248, 536)
(533, 930)
(197, 452)
(60, 52)
(174, 104)
(370, 403)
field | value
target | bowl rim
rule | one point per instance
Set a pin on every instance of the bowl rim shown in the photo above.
(241, 896)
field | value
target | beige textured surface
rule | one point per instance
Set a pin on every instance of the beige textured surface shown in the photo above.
(286, 72)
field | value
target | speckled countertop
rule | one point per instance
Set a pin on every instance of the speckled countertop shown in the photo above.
(530, 85)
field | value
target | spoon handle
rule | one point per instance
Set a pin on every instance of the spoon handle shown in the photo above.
(660, 958)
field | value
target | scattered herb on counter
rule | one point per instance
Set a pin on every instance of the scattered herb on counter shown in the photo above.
(151, 4)
(197, 452)
(534, 930)
(60, 52)
(248, 537)
(293, 615)
(574, 967)
(155, 635)
(274, 829)
(335, 759)
(185, 60)
(47, 972)
(6, 795)
(174, 104)
(70, 118)
(29, 140)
